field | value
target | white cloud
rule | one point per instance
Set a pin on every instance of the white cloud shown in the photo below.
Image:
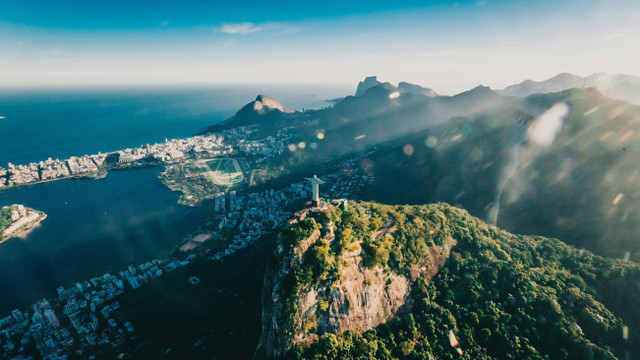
(271, 28)
(240, 28)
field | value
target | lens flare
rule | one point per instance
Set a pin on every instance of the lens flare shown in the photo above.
(545, 128)
(617, 199)
(408, 149)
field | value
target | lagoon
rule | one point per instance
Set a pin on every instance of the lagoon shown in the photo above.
(93, 226)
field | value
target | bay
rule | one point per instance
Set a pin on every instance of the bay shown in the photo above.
(92, 226)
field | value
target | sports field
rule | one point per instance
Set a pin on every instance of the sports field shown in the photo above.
(225, 171)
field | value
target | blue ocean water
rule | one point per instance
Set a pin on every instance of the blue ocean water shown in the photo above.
(60, 123)
(129, 217)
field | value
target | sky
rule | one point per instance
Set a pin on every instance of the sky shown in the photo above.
(449, 46)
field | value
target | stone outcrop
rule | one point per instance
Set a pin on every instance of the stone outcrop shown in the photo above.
(366, 84)
(362, 298)
(264, 104)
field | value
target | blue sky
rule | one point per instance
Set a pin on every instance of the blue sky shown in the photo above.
(447, 45)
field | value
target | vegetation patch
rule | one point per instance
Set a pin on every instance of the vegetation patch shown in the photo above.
(503, 296)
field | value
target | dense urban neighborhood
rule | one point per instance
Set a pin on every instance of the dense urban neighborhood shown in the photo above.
(170, 151)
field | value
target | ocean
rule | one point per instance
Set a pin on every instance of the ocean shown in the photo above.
(60, 123)
(129, 217)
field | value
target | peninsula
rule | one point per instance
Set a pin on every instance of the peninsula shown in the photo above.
(16, 219)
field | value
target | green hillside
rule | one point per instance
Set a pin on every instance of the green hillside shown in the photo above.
(567, 189)
(473, 151)
(504, 296)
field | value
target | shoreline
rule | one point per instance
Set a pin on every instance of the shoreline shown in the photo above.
(25, 227)
(97, 165)
(96, 175)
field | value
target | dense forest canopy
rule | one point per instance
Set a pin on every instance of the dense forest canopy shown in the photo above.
(503, 296)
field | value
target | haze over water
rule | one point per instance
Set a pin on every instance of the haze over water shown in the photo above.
(60, 123)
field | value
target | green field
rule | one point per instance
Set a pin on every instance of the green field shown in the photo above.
(225, 171)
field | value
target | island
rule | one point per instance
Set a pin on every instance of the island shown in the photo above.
(16, 219)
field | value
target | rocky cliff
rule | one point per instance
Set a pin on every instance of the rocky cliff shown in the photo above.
(301, 302)
(366, 84)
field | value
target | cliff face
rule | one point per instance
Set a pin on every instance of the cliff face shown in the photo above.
(361, 300)
(366, 84)
(361, 297)
(264, 104)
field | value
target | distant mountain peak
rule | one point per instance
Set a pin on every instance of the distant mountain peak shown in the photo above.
(264, 104)
(476, 91)
(481, 88)
(562, 81)
(409, 88)
(366, 84)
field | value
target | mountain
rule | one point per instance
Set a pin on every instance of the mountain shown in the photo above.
(425, 281)
(406, 87)
(548, 164)
(619, 86)
(263, 110)
(557, 83)
(404, 282)
(366, 84)
(383, 113)
(628, 92)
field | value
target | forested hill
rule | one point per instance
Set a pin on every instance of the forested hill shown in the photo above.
(495, 296)
(555, 164)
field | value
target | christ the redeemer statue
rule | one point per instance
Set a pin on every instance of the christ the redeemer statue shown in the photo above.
(315, 189)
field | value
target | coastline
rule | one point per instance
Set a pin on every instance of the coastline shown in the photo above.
(97, 166)
(127, 218)
(93, 175)
(24, 227)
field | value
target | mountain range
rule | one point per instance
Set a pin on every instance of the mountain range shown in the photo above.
(558, 164)
(428, 265)
(619, 86)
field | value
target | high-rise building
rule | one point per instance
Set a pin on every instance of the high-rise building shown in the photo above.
(17, 315)
(51, 317)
